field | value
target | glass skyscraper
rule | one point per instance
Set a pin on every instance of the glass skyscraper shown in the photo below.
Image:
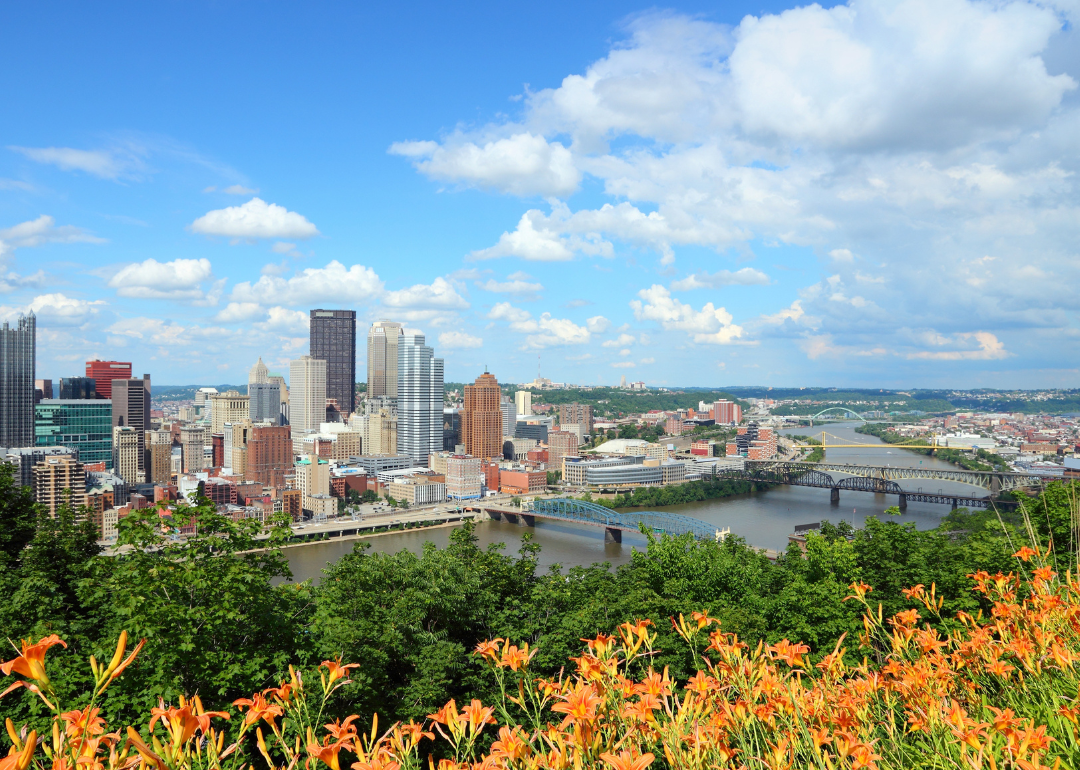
(420, 399)
(81, 424)
(382, 357)
(17, 351)
(333, 340)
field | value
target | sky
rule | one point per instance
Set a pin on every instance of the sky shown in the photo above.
(870, 194)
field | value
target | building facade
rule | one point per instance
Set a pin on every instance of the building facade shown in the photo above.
(384, 338)
(307, 394)
(159, 450)
(420, 399)
(82, 424)
(193, 446)
(269, 455)
(59, 481)
(128, 446)
(482, 418)
(576, 414)
(333, 340)
(727, 412)
(131, 409)
(18, 348)
(225, 407)
(264, 402)
(561, 443)
(464, 479)
(82, 388)
(104, 372)
(523, 403)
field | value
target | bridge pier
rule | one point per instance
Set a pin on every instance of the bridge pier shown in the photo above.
(903, 502)
(954, 505)
(525, 520)
(612, 535)
(834, 495)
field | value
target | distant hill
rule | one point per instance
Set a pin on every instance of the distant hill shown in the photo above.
(187, 392)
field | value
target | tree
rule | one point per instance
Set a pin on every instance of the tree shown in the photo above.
(17, 515)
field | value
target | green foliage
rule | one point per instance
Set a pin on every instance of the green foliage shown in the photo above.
(677, 494)
(982, 461)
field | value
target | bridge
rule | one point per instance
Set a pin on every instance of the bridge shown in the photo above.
(841, 409)
(882, 480)
(613, 522)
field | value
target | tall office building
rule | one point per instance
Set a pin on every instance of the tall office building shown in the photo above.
(509, 419)
(131, 409)
(17, 358)
(384, 338)
(269, 455)
(104, 372)
(225, 407)
(420, 399)
(522, 403)
(193, 443)
(258, 374)
(128, 454)
(333, 340)
(85, 425)
(159, 448)
(43, 389)
(482, 418)
(265, 402)
(83, 388)
(307, 399)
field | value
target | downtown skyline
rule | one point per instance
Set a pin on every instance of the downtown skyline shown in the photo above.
(870, 194)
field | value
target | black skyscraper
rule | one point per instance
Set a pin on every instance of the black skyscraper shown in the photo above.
(333, 340)
(17, 352)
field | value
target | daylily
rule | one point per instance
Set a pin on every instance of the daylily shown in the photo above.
(31, 662)
(625, 760)
(19, 758)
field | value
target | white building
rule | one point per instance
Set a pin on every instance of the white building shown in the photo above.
(307, 394)
(420, 399)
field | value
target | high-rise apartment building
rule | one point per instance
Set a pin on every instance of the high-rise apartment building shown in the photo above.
(482, 418)
(333, 340)
(159, 449)
(85, 425)
(264, 402)
(561, 443)
(307, 399)
(464, 479)
(17, 360)
(383, 340)
(131, 409)
(727, 412)
(509, 419)
(59, 481)
(579, 414)
(104, 372)
(269, 455)
(522, 404)
(193, 444)
(225, 407)
(420, 399)
(128, 448)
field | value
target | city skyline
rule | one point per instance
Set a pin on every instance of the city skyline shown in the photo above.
(654, 193)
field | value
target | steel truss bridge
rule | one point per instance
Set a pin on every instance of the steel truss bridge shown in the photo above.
(882, 480)
(614, 523)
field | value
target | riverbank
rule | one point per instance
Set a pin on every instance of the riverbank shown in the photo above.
(676, 494)
(982, 461)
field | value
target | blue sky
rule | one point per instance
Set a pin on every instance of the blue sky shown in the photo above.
(877, 193)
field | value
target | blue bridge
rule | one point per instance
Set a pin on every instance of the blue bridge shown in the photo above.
(614, 523)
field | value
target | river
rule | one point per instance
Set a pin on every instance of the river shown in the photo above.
(764, 519)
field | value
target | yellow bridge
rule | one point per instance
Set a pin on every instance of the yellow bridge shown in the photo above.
(904, 445)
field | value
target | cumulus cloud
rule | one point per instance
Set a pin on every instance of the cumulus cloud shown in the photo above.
(517, 287)
(312, 286)
(180, 279)
(547, 331)
(978, 346)
(282, 320)
(746, 276)
(237, 312)
(55, 310)
(521, 164)
(710, 325)
(440, 294)
(40, 231)
(254, 219)
(458, 340)
(621, 341)
(13, 281)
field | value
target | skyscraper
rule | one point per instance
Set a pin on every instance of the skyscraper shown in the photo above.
(420, 399)
(82, 424)
(482, 418)
(83, 388)
(129, 461)
(307, 399)
(265, 402)
(131, 409)
(333, 340)
(17, 357)
(258, 373)
(193, 443)
(104, 372)
(383, 340)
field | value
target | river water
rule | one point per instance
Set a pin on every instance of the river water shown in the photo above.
(764, 519)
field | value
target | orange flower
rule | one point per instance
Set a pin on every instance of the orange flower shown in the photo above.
(1026, 553)
(625, 760)
(328, 754)
(477, 715)
(488, 649)
(579, 705)
(19, 758)
(184, 720)
(31, 662)
(335, 670)
(83, 722)
(516, 659)
(259, 708)
(789, 653)
(511, 745)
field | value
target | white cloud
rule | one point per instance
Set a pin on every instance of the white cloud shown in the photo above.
(281, 320)
(102, 163)
(237, 189)
(546, 331)
(284, 247)
(333, 283)
(40, 231)
(522, 164)
(456, 340)
(842, 255)
(623, 365)
(518, 287)
(528, 243)
(746, 276)
(440, 294)
(56, 310)
(180, 279)
(597, 324)
(647, 361)
(708, 325)
(254, 219)
(236, 312)
(977, 346)
(621, 341)
(13, 281)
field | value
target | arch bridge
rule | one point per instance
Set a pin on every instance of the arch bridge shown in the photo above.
(840, 409)
(613, 522)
